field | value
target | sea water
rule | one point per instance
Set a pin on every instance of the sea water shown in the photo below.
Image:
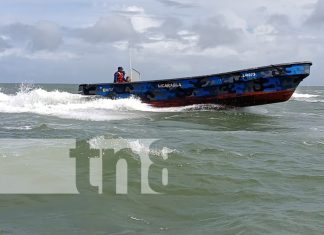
(257, 170)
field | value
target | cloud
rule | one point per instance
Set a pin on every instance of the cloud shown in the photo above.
(317, 17)
(44, 35)
(140, 20)
(37, 55)
(214, 32)
(3, 44)
(179, 38)
(108, 29)
(177, 4)
(279, 20)
(17, 31)
(132, 10)
(170, 28)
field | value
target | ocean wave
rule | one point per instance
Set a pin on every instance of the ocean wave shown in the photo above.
(137, 146)
(19, 128)
(73, 106)
(307, 97)
(40, 127)
(66, 105)
(298, 95)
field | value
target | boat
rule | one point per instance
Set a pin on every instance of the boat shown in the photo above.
(242, 88)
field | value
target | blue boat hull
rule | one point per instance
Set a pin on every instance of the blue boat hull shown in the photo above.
(256, 86)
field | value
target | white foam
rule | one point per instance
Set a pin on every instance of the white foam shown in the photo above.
(138, 146)
(297, 95)
(306, 97)
(74, 106)
(67, 105)
(18, 128)
(3, 97)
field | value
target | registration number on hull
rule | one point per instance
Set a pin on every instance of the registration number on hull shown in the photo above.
(169, 85)
(249, 75)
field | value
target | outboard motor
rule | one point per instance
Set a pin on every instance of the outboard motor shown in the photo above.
(85, 89)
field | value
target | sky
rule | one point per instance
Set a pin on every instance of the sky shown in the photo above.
(79, 41)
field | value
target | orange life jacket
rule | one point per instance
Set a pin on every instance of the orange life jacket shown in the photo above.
(120, 77)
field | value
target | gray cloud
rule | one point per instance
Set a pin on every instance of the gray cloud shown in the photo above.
(108, 29)
(42, 36)
(279, 20)
(173, 3)
(282, 24)
(215, 32)
(17, 31)
(317, 17)
(170, 28)
(3, 45)
(45, 36)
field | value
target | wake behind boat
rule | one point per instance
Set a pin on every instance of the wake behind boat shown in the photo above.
(250, 87)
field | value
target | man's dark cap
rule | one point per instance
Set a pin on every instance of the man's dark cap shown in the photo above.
(120, 68)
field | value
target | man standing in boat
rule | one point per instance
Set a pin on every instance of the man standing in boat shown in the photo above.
(119, 76)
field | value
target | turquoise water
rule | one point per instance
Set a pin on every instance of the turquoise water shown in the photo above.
(257, 170)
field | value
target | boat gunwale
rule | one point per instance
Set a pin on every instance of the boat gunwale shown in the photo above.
(204, 76)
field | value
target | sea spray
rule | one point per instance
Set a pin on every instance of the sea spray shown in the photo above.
(62, 104)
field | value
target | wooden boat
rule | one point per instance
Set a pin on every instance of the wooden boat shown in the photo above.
(249, 87)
